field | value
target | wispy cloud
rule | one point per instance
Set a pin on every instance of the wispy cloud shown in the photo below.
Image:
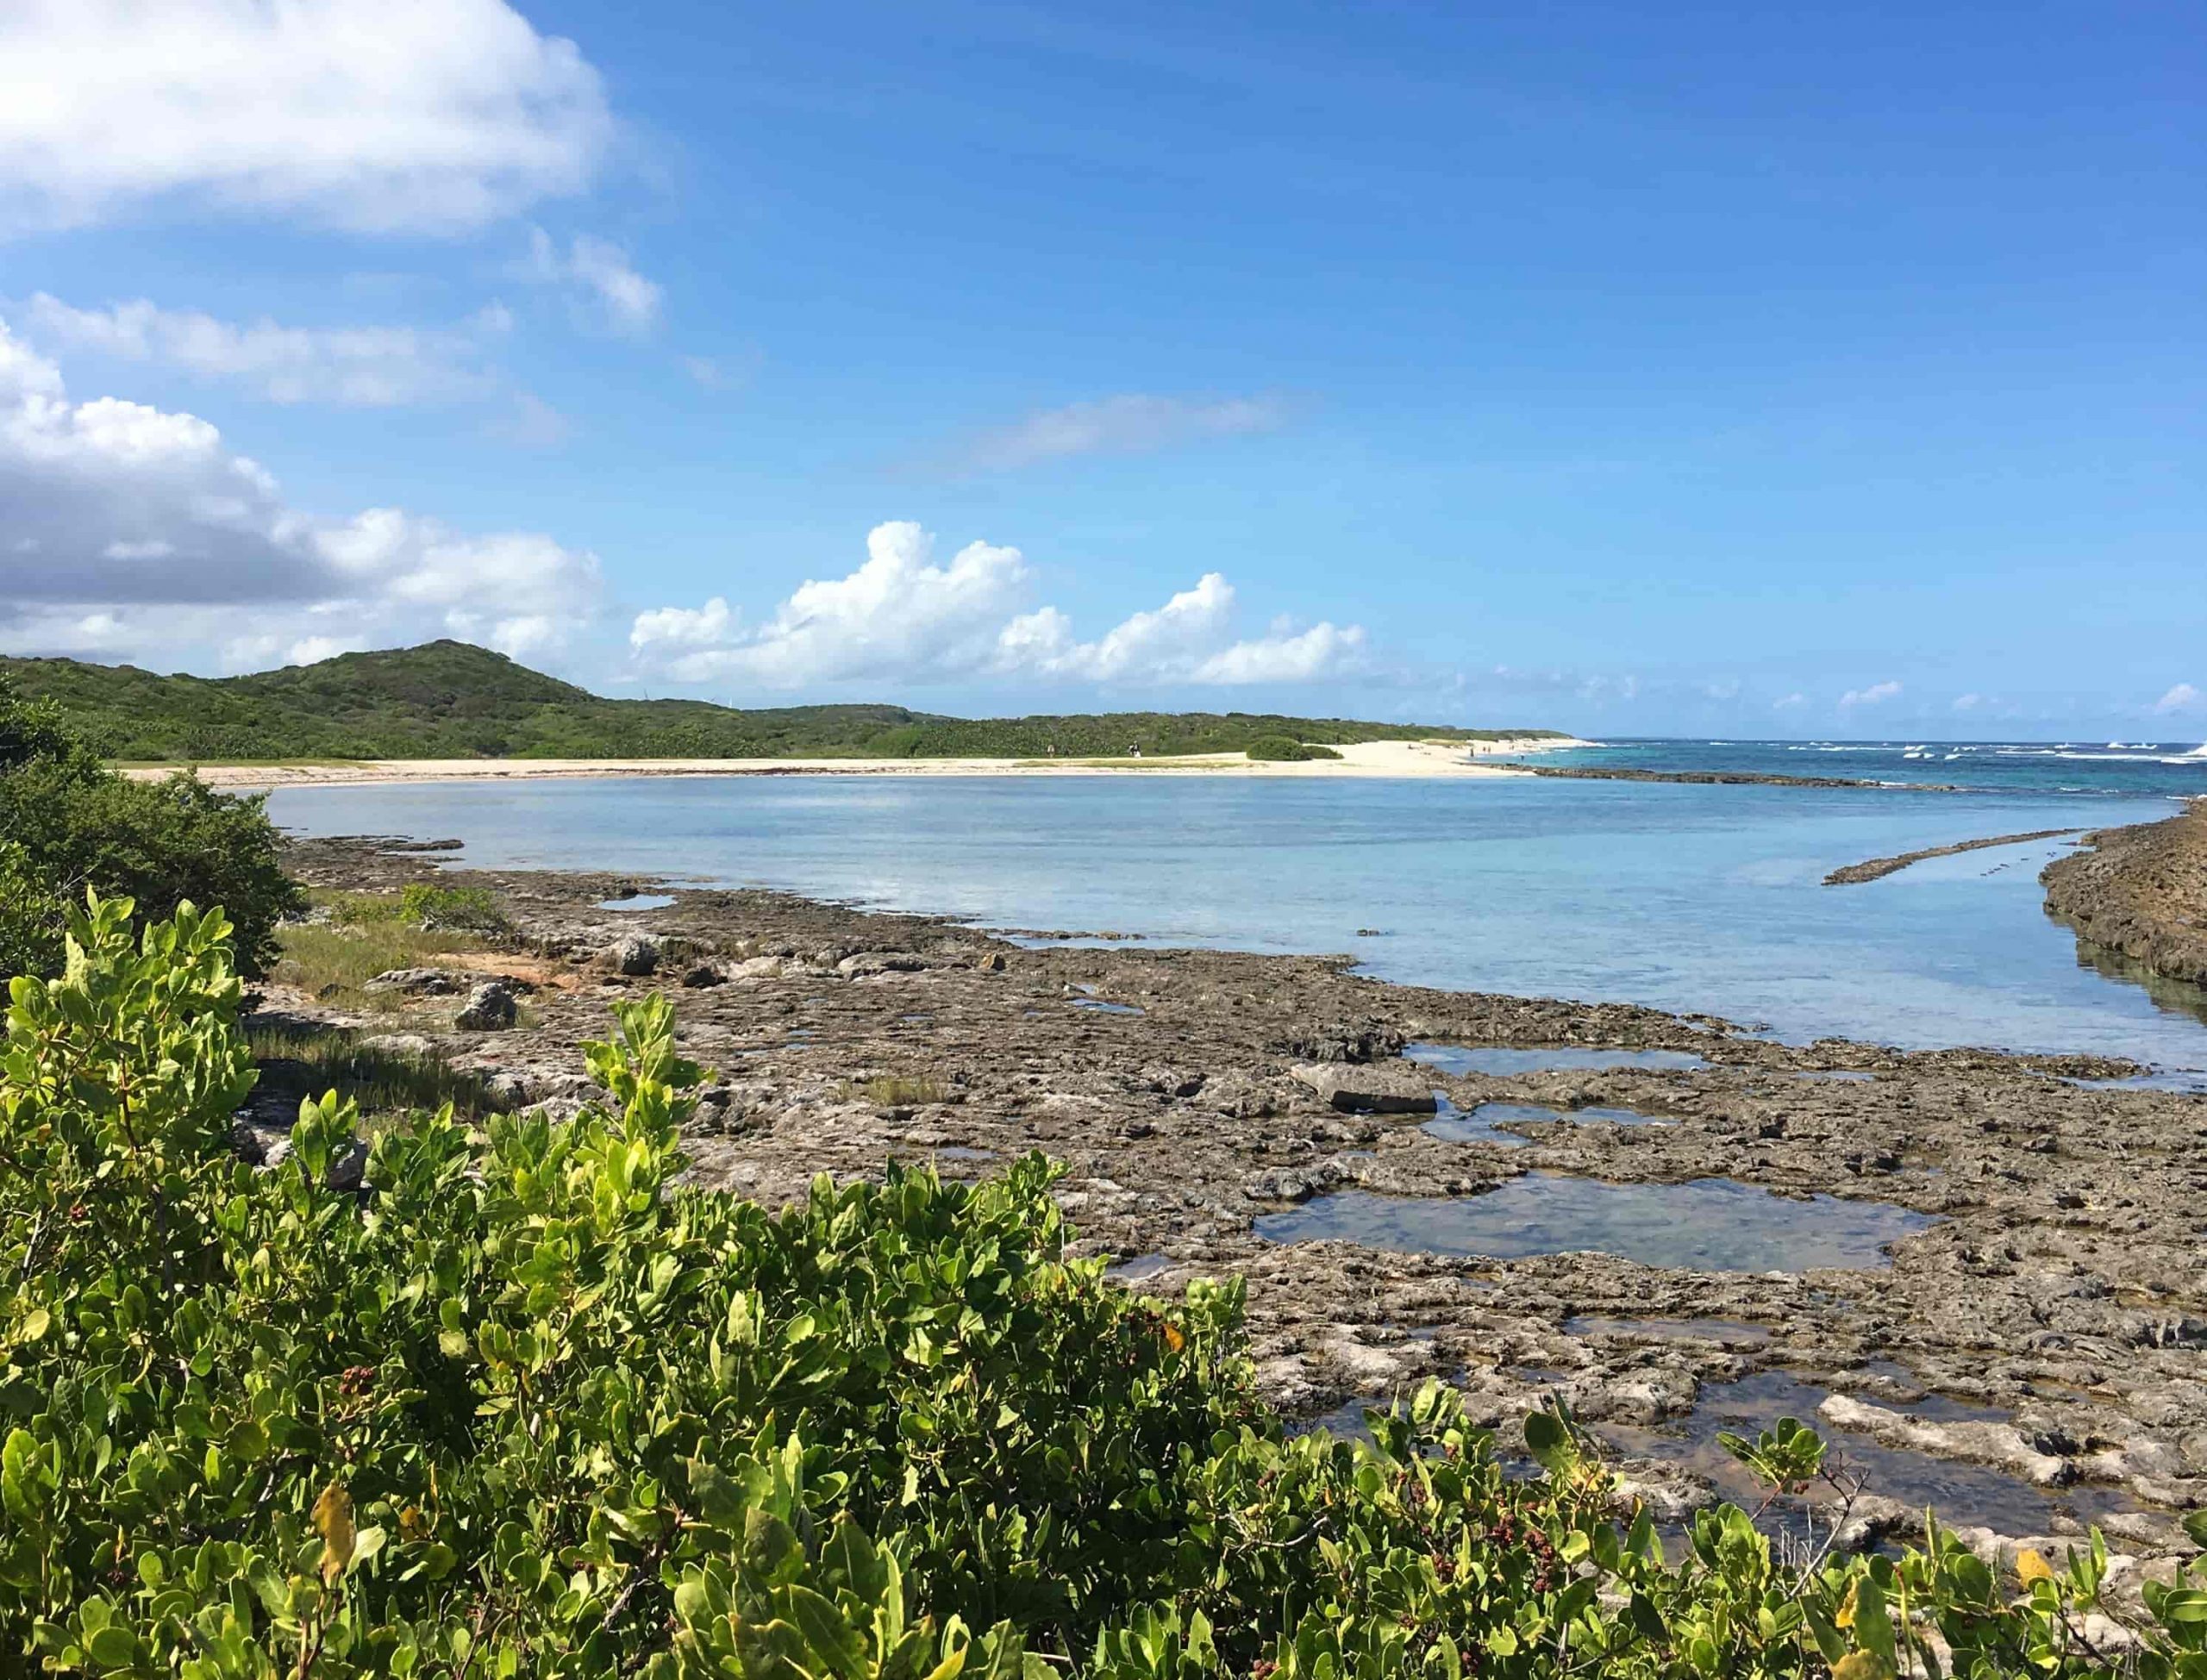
(2181, 698)
(1131, 423)
(355, 366)
(1877, 694)
(600, 272)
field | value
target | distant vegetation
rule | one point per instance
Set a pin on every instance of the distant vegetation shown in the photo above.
(449, 700)
(1286, 749)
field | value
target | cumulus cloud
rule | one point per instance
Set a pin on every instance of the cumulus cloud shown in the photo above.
(1876, 694)
(1788, 703)
(2181, 698)
(599, 271)
(1129, 424)
(368, 366)
(431, 116)
(902, 616)
(133, 529)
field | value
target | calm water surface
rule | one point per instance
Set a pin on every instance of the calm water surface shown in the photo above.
(1685, 898)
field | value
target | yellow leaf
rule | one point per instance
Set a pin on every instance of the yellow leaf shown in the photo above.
(1846, 1616)
(333, 1521)
(1862, 1665)
(2031, 1567)
(1174, 1338)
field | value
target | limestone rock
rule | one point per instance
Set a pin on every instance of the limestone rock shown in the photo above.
(490, 1009)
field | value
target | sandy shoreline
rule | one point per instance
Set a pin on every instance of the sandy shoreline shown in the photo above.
(1361, 759)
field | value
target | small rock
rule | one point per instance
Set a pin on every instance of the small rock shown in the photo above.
(635, 955)
(1369, 1091)
(703, 974)
(490, 1009)
(1355, 1042)
(409, 1045)
(415, 982)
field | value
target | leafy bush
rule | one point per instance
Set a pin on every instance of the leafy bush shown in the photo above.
(525, 1405)
(426, 905)
(1286, 749)
(72, 824)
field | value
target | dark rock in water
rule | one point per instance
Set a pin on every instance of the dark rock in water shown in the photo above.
(1371, 1090)
(1347, 1041)
(415, 982)
(636, 955)
(490, 1009)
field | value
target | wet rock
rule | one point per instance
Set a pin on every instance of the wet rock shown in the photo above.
(1346, 1041)
(1370, 1090)
(2001, 1444)
(490, 1009)
(1295, 1183)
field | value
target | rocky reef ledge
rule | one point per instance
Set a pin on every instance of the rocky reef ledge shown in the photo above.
(2027, 1350)
(2140, 891)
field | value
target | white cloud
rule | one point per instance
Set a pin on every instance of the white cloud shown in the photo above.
(375, 114)
(1132, 423)
(599, 269)
(138, 528)
(683, 626)
(1968, 703)
(1790, 702)
(2181, 698)
(354, 366)
(1876, 694)
(903, 617)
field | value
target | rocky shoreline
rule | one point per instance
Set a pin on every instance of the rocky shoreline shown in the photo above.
(2140, 891)
(1876, 869)
(2032, 1356)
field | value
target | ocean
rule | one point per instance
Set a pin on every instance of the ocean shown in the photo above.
(1686, 897)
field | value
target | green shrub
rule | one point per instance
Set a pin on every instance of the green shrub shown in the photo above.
(72, 824)
(1286, 749)
(525, 1405)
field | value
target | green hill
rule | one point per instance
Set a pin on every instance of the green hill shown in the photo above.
(450, 699)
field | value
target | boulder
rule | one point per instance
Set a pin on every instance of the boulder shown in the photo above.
(1370, 1090)
(636, 955)
(490, 1009)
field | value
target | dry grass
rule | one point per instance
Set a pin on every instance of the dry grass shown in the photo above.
(382, 1082)
(899, 1090)
(332, 962)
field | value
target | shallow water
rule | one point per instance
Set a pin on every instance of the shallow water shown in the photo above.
(1482, 1124)
(1961, 1493)
(637, 901)
(1669, 1329)
(1683, 897)
(1709, 1225)
(1502, 1062)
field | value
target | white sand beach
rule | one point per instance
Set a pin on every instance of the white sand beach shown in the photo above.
(1377, 758)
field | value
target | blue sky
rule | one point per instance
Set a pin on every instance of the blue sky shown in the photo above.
(1632, 370)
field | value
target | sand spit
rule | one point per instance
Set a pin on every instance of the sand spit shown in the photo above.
(1376, 757)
